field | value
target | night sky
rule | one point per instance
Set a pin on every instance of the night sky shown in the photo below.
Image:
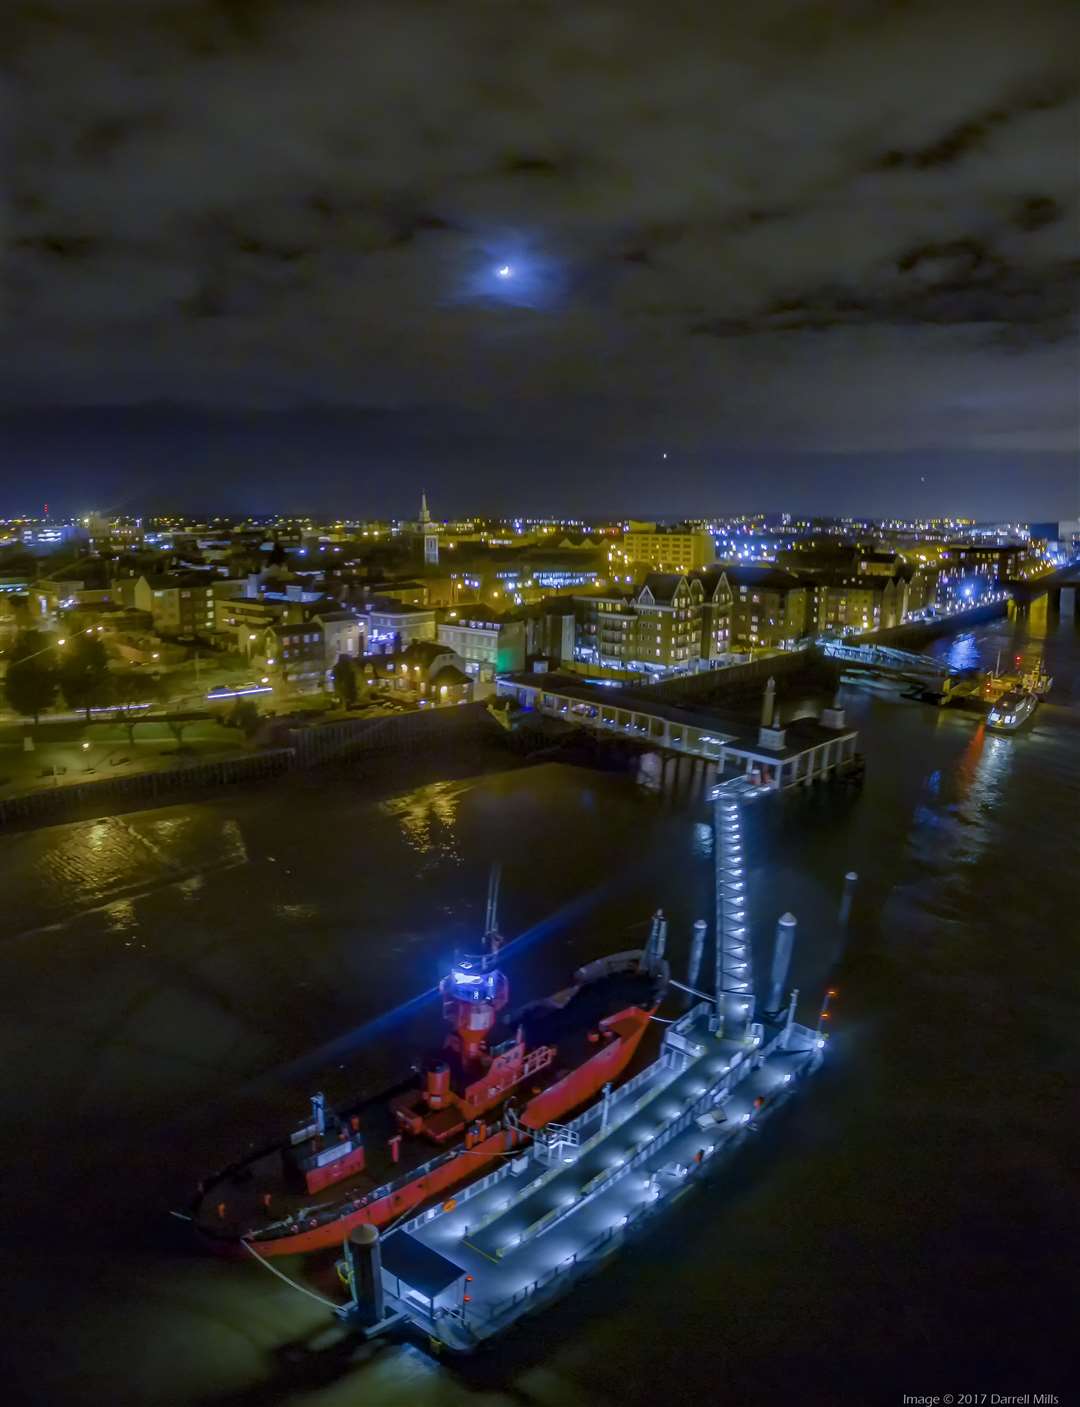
(317, 254)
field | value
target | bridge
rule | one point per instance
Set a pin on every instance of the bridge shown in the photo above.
(796, 754)
(1052, 584)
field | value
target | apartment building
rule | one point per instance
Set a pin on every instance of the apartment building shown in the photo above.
(343, 634)
(180, 607)
(485, 638)
(770, 607)
(645, 545)
(670, 623)
(850, 602)
(296, 653)
(716, 604)
(668, 608)
(392, 626)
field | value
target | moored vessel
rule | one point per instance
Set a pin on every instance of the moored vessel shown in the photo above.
(499, 1076)
(1011, 711)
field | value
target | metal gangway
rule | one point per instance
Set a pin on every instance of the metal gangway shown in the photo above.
(887, 659)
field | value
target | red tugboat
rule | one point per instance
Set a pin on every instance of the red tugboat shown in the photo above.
(499, 1074)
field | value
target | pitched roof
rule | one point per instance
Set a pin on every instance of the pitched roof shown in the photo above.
(417, 651)
(386, 606)
(450, 675)
(662, 586)
(772, 577)
(855, 581)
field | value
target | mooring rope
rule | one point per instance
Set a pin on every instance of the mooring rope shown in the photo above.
(319, 1299)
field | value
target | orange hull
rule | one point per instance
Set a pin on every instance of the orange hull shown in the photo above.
(575, 1089)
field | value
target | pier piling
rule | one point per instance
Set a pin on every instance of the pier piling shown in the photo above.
(364, 1259)
(851, 879)
(785, 942)
(697, 950)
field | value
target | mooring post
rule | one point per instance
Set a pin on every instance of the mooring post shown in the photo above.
(785, 942)
(851, 879)
(697, 949)
(364, 1260)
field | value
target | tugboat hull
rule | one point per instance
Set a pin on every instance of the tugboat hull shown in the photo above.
(253, 1203)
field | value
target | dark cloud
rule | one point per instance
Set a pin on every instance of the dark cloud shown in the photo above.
(248, 205)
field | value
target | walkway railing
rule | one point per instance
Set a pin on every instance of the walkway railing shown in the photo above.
(592, 1249)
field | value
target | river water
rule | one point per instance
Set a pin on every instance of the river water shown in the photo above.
(175, 982)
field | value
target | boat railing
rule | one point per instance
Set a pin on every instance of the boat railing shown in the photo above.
(464, 1195)
(336, 1210)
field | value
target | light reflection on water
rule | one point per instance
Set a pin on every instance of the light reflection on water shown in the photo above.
(189, 888)
(298, 913)
(427, 817)
(122, 922)
(963, 652)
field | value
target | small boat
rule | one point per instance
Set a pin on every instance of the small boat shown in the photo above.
(1011, 711)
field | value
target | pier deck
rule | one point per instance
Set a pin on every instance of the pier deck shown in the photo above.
(524, 1235)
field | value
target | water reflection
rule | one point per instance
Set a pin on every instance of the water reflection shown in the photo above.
(297, 912)
(428, 817)
(963, 652)
(189, 888)
(121, 922)
(953, 823)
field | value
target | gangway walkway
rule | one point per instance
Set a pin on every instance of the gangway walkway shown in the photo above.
(888, 660)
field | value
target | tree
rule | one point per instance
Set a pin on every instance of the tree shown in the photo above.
(344, 677)
(84, 674)
(278, 556)
(245, 716)
(130, 689)
(30, 683)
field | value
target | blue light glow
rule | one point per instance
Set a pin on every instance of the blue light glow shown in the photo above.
(515, 276)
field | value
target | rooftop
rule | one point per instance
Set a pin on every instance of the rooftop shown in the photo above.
(420, 1266)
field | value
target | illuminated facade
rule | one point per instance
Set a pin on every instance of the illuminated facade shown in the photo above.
(850, 602)
(770, 608)
(665, 549)
(485, 638)
(671, 623)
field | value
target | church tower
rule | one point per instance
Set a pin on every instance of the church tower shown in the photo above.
(431, 536)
